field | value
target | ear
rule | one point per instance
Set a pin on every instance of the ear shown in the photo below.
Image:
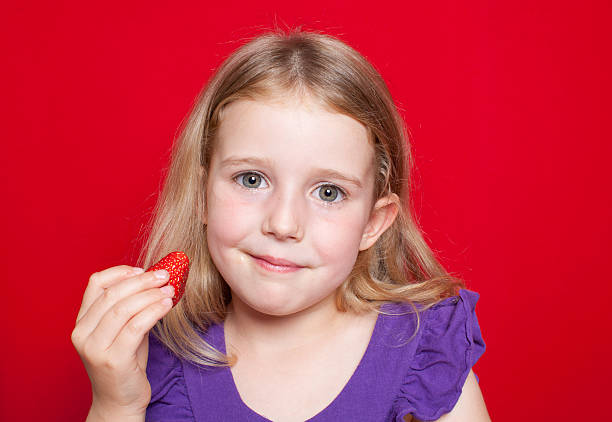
(382, 216)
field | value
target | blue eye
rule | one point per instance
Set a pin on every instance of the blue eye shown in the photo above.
(329, 193)
(250, 180)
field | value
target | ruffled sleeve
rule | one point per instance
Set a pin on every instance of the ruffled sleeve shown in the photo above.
(450, 344)
(169, 398)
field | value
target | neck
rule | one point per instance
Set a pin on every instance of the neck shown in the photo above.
(271, 333)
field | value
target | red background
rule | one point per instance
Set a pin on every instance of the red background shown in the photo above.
(509, 107)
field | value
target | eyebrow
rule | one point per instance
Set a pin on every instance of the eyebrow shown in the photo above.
(265, 162)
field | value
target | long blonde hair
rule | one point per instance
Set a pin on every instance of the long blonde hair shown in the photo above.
(400, 267)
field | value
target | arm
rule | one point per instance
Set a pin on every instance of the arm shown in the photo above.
(470, 406)
(104, 415)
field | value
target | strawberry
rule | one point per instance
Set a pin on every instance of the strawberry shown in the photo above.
(177, 264)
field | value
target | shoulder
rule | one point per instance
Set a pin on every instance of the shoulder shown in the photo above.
(447, 345)
(169, 397)
(161, 362)
(469, 407)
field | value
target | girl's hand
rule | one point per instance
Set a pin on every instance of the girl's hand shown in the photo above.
(120, 305)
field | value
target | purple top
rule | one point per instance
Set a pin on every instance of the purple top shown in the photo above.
(422, 377)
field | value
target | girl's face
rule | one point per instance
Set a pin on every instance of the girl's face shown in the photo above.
(289, 184)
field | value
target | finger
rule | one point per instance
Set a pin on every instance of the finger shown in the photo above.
(101, 280)
(116, 293)
(116, 318)
(134, 332)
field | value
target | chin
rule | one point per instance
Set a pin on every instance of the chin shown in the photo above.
(274, 305)
(281, 303)
(273, 301)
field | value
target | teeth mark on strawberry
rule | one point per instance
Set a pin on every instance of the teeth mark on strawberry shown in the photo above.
(177, 265)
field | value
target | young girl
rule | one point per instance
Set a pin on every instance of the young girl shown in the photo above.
(312, 294)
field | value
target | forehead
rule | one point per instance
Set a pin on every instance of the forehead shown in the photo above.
(297, 132)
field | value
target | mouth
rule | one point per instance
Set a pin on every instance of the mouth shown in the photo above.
(276, 265)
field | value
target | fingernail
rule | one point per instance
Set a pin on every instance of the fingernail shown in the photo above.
(137, 270)
(161, 274)
(168, 290)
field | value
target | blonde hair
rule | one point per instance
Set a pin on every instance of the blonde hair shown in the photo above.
(400, 267)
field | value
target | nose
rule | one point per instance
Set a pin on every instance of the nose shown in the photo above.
(284, 218)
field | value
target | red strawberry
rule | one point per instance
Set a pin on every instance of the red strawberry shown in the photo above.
(177, 264)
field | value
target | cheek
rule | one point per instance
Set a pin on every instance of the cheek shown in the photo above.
(337, 236)
(231, 217)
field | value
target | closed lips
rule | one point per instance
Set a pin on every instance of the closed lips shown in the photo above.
(277, 261)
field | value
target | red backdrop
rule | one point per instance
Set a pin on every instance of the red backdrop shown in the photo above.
(508, 104)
